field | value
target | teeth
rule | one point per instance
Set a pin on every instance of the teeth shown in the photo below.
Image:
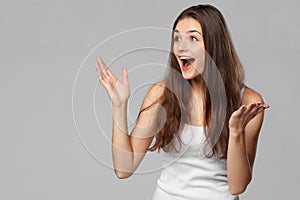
(186, 60)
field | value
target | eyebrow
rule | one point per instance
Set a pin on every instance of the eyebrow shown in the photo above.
(190, 31)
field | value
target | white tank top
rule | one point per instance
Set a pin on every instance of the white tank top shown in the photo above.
(189, 175)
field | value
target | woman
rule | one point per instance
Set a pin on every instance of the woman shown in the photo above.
(202, 115)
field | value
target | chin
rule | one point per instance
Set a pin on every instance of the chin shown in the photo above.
(190, 75)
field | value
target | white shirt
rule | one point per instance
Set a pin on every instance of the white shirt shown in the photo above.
(189, 174)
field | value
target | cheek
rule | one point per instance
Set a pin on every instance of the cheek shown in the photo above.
(200, 58)
(198, 51)
(201, 51)
(175, 49)
(202, 54)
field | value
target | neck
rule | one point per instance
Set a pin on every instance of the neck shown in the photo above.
(196, 102)
(196, 84)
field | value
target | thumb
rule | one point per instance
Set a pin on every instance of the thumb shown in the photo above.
(124, 76)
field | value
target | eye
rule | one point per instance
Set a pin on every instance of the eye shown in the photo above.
(194, 39)
(176, 38)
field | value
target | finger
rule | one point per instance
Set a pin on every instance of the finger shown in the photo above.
(106, 73)
(106, 84)
(101, 63)
(110, 74)
(254, 112)
(97, 65)
(110, 78)
(249, 108)
(99, 71)
(242, 109)
(261, 108)
(256, 109)
(239, 111)
(102, 68)
(125, 76)
(98, 68)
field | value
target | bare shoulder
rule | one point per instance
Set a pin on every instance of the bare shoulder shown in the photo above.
(154, 94)
(157, 89)
(251, 96)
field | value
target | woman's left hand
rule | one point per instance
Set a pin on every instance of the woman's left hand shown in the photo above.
(241, 117)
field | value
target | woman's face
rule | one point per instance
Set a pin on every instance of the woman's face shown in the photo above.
(189, 47)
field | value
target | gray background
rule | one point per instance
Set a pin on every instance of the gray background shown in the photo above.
(43, 45)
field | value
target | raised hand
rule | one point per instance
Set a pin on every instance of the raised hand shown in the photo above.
(241, 117)
(118, 91)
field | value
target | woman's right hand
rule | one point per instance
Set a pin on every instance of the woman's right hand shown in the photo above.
(118, 91)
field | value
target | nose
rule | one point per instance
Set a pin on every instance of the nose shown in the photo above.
(182, 46)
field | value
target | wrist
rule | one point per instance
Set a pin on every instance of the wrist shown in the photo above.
(237, 138)
(119, 114)
(119, 105)
(236, 133)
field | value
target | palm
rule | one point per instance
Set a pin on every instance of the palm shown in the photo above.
(118, 91)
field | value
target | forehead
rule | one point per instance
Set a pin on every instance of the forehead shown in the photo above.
(187, 24)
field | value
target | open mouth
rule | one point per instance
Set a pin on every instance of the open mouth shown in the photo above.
(186, 62)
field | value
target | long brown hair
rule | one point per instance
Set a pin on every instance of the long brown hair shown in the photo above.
(221, 96)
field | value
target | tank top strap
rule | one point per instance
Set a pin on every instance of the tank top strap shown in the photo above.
(242, 92)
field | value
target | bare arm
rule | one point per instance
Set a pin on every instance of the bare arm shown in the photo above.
(129, 150)
(244, 128)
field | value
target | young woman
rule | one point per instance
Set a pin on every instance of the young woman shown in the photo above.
(202, 116)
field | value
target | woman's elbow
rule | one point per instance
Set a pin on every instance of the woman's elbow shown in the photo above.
(237, 190)
(238, 187)
(122, 175)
